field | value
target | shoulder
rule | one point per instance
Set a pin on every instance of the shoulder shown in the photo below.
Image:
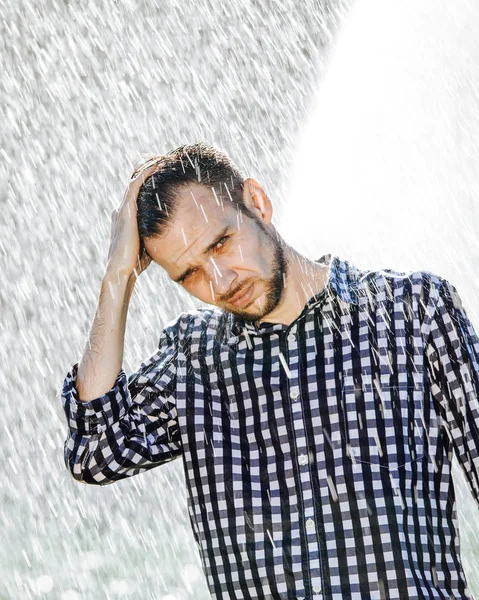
(209, 321)
(420, 284)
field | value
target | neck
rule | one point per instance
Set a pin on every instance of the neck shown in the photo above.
(304, 279)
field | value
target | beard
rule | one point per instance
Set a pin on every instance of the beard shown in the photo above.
(274, 285)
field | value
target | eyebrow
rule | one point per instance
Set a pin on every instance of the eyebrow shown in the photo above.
(185, 273)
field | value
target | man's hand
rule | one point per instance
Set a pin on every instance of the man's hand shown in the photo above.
(124, 253)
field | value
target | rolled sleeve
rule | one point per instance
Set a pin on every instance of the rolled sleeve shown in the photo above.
(131, 428)
(94, 416)
(453, 355)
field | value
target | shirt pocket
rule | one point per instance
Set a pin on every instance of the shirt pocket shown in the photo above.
(384, 423)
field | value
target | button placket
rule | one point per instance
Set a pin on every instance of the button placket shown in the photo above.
(306, 504)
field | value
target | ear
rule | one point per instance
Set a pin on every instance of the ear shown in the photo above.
(255, 198)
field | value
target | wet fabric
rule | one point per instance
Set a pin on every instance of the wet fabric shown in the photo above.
(317, 455)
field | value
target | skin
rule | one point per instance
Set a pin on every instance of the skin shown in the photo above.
(233, 261)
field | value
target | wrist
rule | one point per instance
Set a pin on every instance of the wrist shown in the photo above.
(121, 282)
(118, 276)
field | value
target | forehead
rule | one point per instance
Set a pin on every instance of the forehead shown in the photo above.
(199, 206)
(199, 216)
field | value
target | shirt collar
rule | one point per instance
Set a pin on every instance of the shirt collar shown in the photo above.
(343, 281)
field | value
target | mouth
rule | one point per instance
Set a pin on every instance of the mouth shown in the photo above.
(244, 296)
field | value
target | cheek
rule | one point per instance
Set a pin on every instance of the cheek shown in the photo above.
(200, 290)
(258, 263)
(263, 257)
(254, 251)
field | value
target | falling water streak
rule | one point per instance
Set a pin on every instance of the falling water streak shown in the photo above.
(191, 162)
(271, 538)
(378, 444)
(194, 200)
(228, 192)
(332, 489)
(216, 197)
(204, 213)
(285, 366)
(215, 266)
(248, 339)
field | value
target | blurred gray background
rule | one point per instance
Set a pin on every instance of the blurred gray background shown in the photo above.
(358, 119)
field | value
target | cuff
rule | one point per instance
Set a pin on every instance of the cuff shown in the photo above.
(94, 416)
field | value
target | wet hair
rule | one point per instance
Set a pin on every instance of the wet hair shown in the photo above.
(186, 165)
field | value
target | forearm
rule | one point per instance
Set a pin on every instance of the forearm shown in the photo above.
(103, 353)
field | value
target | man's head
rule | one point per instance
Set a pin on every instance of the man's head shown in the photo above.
(210, 229)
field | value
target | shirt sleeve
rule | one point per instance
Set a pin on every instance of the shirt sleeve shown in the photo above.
(131, 428)
(453, 356)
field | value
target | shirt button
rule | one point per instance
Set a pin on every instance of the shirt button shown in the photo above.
(317, 589)
(310, 525)
(303, 459)
(294, 393)
(291, 338)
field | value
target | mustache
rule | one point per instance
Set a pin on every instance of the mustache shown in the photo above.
(237, 290)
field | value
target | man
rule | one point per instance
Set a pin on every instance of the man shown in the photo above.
(315, 406)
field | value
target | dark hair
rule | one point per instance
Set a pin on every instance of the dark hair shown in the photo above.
(193, 163)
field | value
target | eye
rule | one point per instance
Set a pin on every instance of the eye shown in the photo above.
(187, 276)
(221, 242)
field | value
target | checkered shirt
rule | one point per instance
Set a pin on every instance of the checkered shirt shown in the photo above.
(317, 455)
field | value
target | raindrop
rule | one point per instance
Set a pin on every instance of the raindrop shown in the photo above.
(216, 197)
(44, 584)
(204, 214)
(285, 366)
(332, 489)
(271, 538)
(71, 595)
(215, 266)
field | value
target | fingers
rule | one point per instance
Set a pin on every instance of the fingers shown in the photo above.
(143, 174)
(147, 164)
(135, 183)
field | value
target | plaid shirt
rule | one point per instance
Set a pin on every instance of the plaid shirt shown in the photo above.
(317, 455)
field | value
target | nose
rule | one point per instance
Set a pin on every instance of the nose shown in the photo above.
(221, 276)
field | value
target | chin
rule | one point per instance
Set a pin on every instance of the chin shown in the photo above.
(251, 312)
(248, 312)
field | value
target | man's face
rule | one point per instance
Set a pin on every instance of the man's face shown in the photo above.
(221, 256)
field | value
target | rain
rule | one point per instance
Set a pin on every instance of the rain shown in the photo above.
(359, 117)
